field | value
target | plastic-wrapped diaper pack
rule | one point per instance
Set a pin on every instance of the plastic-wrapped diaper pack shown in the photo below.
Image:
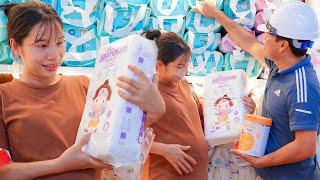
(5, 53)
(261, 18)
(133, 2)
(81, 45)
(269, 4)
(80, 13)
(201, 42)
(116, 125)
(218, 3)
(168, 23)
(227, 45)
(223, 106)
(132, 172)
(3, 26)
(201, 24)
(242, 11)
(242, 60)
(315, 57)
(206, 63)
(169, 7)
(120, 21)
(222, 157)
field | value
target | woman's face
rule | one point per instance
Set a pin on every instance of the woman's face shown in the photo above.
(42, 50)
(175, 70)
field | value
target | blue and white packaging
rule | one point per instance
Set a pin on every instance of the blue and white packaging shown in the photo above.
(5, 53)
(241, 11)
(80, 13)
(3, 26)
(133, 2)
(81, 45)
(206, 63)
(119, 21)
(201, 24)
(169, 7)
(52, 3)
(201, 42)
(168, 23)
(218, 3)
(243, 60)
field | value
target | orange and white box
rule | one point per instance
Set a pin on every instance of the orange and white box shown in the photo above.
(254, 135)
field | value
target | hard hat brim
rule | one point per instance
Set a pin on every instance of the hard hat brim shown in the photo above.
(263, 28)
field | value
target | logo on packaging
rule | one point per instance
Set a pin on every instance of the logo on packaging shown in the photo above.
(110, 55)
(223, 79)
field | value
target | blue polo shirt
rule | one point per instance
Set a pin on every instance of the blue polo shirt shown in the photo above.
(292, 101)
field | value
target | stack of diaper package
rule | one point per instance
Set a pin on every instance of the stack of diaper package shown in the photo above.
(4, 46)
(116, 126)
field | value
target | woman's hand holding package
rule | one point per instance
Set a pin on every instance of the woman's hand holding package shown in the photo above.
(249, 104)
(143, 93)
(206, 8)
(181, 161)
(74, 158)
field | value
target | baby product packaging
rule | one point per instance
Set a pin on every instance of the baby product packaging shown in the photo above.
(118, 21)
(116, 125)
(201, 24)
(223, 106)
(81, 45)
(169, 7)
(168, 23)
(201, 42)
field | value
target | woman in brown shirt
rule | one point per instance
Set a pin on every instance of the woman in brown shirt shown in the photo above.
(180, 150)
(40, 113)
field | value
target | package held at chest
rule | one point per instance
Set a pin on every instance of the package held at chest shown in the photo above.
(223, 106)
(116, 126)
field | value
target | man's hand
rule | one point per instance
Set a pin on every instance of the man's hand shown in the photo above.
(206, 8)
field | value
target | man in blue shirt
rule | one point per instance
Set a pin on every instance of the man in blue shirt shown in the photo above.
(292, 95)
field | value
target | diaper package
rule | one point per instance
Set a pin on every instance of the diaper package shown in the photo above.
(80, 13)
(169, 7)
(168, 23)
(131, 172)
(5, 53)
(116, 125)
(201, 42)
(235, 173)
(201, 24)
(222, 157)
(52, 3)
(218, 3)
(81, 45)
(3, 26)
(223, 106)
(227, 45)
(206, 63)
(133, 2)
(261, 18)
(242, 60)
(120, 21)
(315, 57)
(241, 11)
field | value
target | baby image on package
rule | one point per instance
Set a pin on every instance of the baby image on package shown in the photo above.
(223, 107)
(116, 126)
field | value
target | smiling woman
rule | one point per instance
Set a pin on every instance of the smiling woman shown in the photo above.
(40, 112)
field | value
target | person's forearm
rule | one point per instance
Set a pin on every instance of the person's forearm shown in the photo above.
(153, 117)
(244, 39)
(290, 153)
(157, 148)
(30, 170)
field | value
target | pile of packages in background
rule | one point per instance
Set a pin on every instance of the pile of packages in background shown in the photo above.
(88, 24)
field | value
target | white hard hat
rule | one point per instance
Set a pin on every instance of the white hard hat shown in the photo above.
(293, 20)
